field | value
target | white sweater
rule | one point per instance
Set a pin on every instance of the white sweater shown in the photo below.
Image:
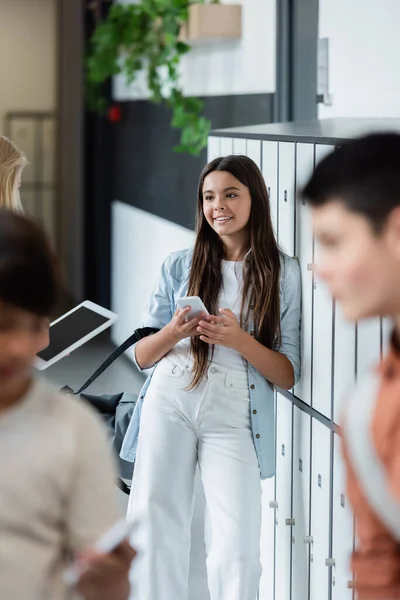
(57, 491)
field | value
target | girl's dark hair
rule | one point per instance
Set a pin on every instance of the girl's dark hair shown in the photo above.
(262, 262)
(28, 269)
(363, 174)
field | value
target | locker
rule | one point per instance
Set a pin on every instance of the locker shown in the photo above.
(342, 529)
(266, 590)
(344, 360)
(301, 504)
(214, 148)
(286, 196)
(304, 253)
(322, 346)
(270, 172)
(226, 146)
(283, 498)
(387, 326)
(254, 151)
(267, 542)
(368, 344)
(320, 510)
(322, 331)
(239, 146)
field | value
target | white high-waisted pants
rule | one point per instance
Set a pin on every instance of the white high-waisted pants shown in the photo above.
(209, 425)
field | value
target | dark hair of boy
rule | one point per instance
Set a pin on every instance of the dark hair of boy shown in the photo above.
(363, 174)
(29, 277)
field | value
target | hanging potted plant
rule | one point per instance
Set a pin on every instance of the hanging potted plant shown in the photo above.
(149, 37)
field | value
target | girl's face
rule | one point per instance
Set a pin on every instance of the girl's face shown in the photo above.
(226, 204)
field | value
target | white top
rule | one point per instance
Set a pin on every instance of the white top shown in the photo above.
(57, 490)
(230, 297)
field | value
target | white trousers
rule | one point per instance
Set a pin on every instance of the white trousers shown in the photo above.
(210, 426)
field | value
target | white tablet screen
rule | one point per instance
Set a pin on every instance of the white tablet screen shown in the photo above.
(70, 330)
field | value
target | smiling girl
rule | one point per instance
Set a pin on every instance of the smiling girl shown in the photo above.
(209, 400)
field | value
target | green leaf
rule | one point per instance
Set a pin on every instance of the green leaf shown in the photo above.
(141, 36)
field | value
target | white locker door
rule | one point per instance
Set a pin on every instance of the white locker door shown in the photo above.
(320, 510)
(226, 146)
(368, 345)
(266, 590)
(254, 151)
(239, 146)
(283, 497)
(213, 148)
(270, 172)
(322, 331)
(322, 346)
(286, 196)
(301, 504)
(342, 529)
(304, 252)
(344, 360)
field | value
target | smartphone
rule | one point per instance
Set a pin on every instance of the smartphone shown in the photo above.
(108, 542)
(196, 306)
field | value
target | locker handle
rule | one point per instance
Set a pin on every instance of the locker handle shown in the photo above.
(285, 196)
(310, 266)
(308, 539)
(273, 504)
(351, 585)
(290, 522)
(330, 562)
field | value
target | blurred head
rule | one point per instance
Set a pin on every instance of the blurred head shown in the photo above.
(233, 210)
(12, 163)
(355, 198)
(28, 293)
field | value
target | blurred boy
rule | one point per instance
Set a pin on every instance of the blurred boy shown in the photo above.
(57, 490)
(355, 198)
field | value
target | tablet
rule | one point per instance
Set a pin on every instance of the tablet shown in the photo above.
(72, 330)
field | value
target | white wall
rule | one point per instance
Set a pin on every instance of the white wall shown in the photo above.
(364, 57)
(140, 243)
(246, 66)
(27, 55)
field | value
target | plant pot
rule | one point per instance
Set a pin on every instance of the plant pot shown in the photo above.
(213, 22)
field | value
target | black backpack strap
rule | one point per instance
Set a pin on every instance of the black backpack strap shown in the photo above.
(133, 339)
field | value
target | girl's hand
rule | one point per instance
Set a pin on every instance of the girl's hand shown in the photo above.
(180, 328)
(224, 330)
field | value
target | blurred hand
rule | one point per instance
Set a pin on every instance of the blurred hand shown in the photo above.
(106, 576)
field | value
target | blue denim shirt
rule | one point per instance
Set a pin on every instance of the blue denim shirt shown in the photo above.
(173, 284)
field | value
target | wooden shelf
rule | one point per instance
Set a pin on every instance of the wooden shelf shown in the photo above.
(213, 22)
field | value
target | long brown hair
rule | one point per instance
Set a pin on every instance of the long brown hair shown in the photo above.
(261, 267)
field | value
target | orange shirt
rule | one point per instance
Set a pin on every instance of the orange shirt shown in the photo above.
(376, 562)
